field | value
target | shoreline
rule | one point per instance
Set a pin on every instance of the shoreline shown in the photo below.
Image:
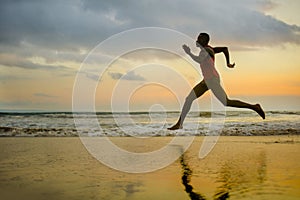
(163, 132)
(143, 124)
(170, 134)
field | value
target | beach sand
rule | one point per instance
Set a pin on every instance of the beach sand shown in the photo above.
(239, 167)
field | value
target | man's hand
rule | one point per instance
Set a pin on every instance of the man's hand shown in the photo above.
(231, 65)
(186, 49)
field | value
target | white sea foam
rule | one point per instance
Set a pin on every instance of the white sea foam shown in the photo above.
(143, 124)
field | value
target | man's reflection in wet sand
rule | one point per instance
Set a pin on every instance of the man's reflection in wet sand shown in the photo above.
(186, 179)
(236, 178)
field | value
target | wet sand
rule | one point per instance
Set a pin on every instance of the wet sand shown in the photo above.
(239, 167)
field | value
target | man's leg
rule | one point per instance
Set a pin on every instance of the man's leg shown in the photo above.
(219, 92)
(196, 92)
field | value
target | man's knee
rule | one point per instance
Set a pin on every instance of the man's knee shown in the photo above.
(224, 100)
(227, 102)
(190, 98)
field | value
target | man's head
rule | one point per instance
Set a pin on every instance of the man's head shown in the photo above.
(202, 39)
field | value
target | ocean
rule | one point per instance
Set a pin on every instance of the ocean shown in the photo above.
(145, 124)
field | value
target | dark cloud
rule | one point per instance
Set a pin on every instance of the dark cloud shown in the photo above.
(115, 75)
(30, 65)
(20, 62)
(59, 31)
(82, 24)
(130, 76)
(44, 95)
(52, 24)
(92, 76)
(240, 22)
(25, 64)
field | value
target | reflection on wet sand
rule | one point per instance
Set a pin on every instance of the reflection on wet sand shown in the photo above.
(186, 178)
(237, 179)
(242, 178)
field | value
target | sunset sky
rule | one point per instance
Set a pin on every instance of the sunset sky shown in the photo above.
(44, 43)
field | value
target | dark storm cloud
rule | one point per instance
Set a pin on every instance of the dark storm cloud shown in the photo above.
(27, 64)
(240, 22)
(44, 95)
(82, 24)
(59, 30)
(130, 76)
(53, 24)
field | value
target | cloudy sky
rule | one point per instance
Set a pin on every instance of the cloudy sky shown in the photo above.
(43, 44)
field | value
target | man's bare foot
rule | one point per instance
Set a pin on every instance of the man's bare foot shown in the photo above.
(259, 110)
(175, 127)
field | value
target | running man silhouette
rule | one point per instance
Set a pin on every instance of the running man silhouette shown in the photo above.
(206, 59)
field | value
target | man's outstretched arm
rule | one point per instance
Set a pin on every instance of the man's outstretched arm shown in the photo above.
(197, 59)
(226, 53)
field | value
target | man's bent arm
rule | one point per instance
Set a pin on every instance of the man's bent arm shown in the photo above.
(226, 53)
